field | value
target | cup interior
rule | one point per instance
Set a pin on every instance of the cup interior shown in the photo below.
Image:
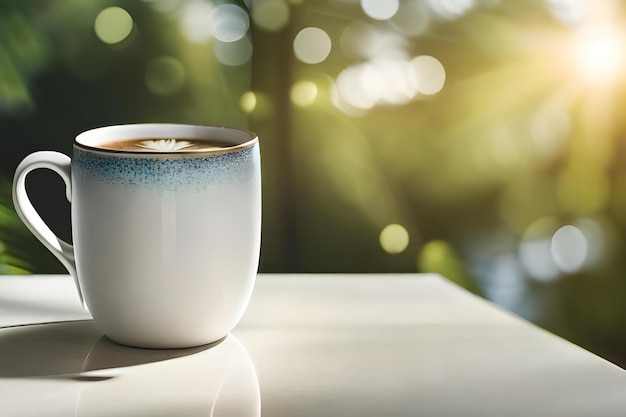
(231, 137)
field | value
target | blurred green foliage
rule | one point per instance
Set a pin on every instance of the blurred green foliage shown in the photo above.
(23, 52)
(20, 253)
(440, 257)
(11, 258)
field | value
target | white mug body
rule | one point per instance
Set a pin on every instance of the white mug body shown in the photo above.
(165, 244)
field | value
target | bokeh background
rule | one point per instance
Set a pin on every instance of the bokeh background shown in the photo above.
(482, 139)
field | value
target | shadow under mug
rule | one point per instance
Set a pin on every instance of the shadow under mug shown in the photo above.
(72, 370)
(165, 239)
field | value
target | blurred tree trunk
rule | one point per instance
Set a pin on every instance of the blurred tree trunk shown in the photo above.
(272, 77)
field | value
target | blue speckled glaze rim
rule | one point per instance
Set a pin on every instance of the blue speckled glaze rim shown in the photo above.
(216, 132)
(167, 171)
(194, 173)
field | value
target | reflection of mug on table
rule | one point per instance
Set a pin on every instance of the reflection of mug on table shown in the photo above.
(72, 370)
(166, 223)
(220, 382)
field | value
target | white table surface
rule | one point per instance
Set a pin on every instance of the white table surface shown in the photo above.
(309, 345)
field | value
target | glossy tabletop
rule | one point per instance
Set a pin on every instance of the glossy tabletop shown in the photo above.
(309, 345)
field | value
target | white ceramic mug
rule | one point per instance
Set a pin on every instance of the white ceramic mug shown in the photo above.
(165, 240)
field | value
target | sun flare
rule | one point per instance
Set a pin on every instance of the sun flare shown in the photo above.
(599, 54)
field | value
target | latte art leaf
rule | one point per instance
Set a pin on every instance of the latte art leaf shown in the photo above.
(165, 145)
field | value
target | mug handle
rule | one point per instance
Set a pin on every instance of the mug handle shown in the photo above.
(61, 164)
